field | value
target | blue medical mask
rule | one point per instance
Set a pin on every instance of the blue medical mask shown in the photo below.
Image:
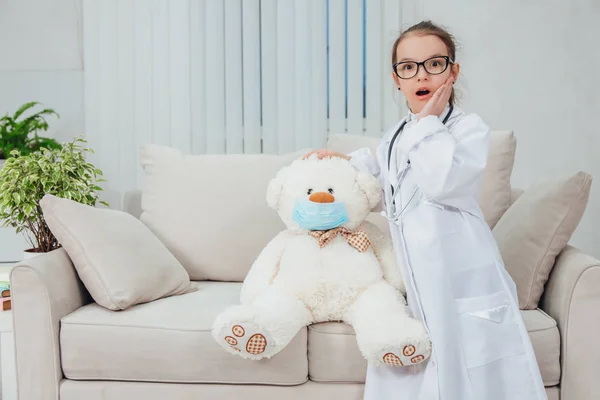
(319, 216)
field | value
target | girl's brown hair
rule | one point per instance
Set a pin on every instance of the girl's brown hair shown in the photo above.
(424, 28)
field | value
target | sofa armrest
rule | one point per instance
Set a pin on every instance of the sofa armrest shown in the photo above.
(44, 289)
(572, 298)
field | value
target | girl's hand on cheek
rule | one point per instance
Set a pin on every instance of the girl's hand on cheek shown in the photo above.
(437, 102)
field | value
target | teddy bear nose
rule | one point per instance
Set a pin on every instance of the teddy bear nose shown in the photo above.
(321, 197)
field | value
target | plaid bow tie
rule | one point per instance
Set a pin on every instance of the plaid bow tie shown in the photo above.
(358, 239)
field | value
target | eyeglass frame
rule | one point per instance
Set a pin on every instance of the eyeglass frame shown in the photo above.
(422, 63)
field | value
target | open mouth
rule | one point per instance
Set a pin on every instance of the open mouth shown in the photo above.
(422, 92)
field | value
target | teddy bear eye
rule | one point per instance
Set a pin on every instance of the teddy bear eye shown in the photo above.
(309, 191)
(330, 190)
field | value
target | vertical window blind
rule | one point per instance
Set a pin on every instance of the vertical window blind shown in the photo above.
(233, 76)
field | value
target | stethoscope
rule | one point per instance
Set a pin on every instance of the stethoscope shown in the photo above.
(391, 213)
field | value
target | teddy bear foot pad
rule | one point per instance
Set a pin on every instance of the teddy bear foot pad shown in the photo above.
(408, 354)
(248, 340)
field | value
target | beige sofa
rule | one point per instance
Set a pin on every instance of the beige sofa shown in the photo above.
(70, 348)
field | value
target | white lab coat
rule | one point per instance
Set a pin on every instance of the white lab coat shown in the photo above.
(454, 275)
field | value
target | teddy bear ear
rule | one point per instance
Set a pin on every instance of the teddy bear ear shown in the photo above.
(371, 186)
(276, 187)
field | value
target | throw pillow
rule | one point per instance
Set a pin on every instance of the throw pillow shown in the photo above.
(118, 259)
(536, 228)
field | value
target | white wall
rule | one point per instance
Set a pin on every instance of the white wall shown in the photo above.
(42, 60)
(527, 66)
(61, 90)
(40, 35)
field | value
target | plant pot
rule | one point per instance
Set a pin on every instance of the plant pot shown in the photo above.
(29, 253)
(2, 160)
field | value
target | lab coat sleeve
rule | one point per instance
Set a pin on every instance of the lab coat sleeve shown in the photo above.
(447, 167)
(363, 160)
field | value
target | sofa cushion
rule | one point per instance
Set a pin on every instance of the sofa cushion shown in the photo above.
(107, 390)
(169, 340)
(204, 206)
(104, 246)
(495, 195)
(536, 228)
(333, 354)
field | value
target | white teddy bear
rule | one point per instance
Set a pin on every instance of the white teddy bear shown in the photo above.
(328, 265)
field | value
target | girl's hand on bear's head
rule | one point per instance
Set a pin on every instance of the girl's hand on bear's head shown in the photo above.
(324, 153)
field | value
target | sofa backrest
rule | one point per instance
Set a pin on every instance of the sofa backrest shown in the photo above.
(132, 202)
(211, 210)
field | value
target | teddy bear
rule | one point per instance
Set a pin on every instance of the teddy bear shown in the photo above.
(330, 264)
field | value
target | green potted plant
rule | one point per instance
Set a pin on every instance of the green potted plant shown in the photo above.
(20, 131)
(25, 179)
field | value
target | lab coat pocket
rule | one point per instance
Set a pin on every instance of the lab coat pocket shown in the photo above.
(489, 329)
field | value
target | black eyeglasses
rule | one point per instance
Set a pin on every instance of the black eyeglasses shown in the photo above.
(433, 66)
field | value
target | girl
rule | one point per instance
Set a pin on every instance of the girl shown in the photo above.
(430, 165)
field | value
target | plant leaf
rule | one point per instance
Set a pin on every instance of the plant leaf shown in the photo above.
(27, 176)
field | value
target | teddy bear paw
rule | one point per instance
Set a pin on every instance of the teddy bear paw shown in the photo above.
(410, 353)
(247, 340)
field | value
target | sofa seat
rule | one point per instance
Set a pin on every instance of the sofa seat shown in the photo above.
(333, 355)
(169, 340)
